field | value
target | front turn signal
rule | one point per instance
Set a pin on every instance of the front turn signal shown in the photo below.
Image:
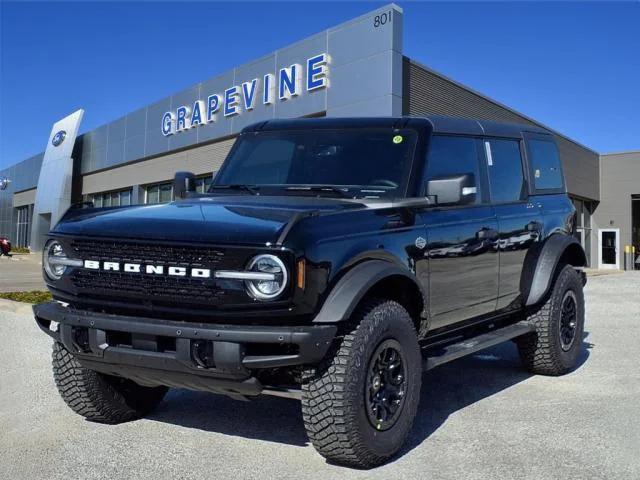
(302, 265)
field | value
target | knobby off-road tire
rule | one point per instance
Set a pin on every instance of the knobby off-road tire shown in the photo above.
(98, 397)
(336, 395)
(546, 351)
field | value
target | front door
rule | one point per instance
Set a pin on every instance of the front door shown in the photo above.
(463, 263)
(608, 248)
(463, 258)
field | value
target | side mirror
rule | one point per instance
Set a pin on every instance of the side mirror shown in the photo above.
(183, 184)
(453, 189)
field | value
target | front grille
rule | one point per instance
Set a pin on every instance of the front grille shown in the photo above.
(145, 253)
(146, 289)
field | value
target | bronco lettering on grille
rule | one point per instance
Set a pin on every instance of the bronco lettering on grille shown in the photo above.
(148, 269)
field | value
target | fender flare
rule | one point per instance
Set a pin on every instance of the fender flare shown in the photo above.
(354, 285)
(540, 268)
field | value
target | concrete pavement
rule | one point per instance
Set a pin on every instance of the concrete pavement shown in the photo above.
(20, 273)
(480, 417)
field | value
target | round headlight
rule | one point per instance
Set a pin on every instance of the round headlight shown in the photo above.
(53, 258)
(272, 287)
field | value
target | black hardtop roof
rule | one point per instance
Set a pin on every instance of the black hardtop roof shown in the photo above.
(439, 124)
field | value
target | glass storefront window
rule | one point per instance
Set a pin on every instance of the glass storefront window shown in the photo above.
(125, 198)
(23, 226)
(203, 183)
(166, 193)
(111, 199)
(159, 193)
(152, 194)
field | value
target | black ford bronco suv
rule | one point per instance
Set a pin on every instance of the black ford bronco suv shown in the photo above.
(331, 260)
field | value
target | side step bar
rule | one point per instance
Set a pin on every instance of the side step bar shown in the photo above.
(475, 344)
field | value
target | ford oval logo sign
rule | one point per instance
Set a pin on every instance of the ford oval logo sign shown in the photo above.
(4, 183)
(58, 138)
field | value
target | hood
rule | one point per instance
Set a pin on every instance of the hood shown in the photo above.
(223, 220)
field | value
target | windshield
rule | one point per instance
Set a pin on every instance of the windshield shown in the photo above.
(368, 163)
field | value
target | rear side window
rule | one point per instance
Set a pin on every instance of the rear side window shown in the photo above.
(545, 165)
(504, 163)
(449, 155)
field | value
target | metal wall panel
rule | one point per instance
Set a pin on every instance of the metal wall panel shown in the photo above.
(55, 185)
(27, 197)
(620, 173)
(199, 160)
(365, 75)
(23, 176)
(429, 93)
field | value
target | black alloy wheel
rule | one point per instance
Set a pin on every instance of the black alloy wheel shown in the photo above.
(568, 320)
(385, 392)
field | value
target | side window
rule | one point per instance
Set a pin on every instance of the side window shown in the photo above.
(545, 165)
(449, 155)
(504, 163)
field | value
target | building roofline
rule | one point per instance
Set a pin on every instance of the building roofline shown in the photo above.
(497, 103)
(623, 152)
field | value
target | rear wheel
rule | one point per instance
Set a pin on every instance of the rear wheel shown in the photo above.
(98, 397)
(359, 404)
(554, 348)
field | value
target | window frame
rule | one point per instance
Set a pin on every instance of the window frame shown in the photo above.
(528, 136)
(523, 165)
(482, 182)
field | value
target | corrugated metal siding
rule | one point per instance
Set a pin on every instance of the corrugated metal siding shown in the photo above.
(23, 176)
(427, 93)
(620, 174)
(199, 160)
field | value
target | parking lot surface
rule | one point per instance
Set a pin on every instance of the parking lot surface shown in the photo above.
(480, 417)
(20, 273)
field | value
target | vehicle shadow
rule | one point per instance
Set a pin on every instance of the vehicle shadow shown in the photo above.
(456, 385)
(271, 419)
(445, 390)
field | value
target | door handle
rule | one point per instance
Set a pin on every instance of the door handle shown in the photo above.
(487, 234)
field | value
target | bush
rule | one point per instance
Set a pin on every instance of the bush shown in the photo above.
(20, 250)
(34, 296)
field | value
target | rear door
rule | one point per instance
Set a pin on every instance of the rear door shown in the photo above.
(463, 263)
(547, 183)
(519, 217)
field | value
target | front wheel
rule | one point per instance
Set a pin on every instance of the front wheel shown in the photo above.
(554, 348)
(358, 405)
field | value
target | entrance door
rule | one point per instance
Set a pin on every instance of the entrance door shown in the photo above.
(608, 248)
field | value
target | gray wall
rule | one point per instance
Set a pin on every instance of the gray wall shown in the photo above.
(427, 92)
(364, 74)
(620, 178)
(23, 176)
(200, 160)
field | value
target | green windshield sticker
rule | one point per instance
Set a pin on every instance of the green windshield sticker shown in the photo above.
(397, 139)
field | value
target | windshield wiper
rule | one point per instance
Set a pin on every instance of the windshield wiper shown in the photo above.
(246, 188)
(320, 188)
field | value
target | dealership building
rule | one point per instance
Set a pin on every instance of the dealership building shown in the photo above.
(354, 69)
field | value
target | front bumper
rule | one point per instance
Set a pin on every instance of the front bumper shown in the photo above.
(162, 352)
